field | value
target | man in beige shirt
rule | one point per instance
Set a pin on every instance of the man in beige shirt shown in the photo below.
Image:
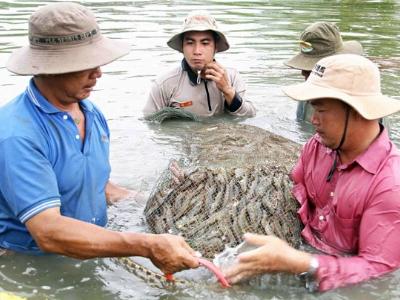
(200, 84)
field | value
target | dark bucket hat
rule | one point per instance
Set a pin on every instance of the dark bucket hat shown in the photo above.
(319, 40)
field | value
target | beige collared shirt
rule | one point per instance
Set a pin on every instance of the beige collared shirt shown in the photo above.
(174, 89)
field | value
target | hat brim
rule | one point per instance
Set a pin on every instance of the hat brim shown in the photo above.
(371, 107)
(306, 62)
(176, 41)
(34, 61)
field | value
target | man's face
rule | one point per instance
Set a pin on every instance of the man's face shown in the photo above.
(198, 48)
(76, 86)
(328, 119)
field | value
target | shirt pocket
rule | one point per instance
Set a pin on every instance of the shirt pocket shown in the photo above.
(343, 233)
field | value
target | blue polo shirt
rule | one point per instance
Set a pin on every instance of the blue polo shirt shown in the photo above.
(44, 163)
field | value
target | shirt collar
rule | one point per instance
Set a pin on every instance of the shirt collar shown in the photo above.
(43, 104)
(192, 75)
(372, 157)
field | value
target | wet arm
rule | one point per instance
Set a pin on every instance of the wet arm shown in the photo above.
(271, 255)
(58, 234)
(55, 233)
(115, 193)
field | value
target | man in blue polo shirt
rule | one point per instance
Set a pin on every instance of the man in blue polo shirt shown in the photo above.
(54, 151)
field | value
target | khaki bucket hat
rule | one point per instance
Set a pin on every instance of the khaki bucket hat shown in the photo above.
(350, 78)
(319, 40)
(64, 38)
(199, 21)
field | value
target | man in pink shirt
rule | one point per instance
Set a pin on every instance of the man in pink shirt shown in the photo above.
(347, 182)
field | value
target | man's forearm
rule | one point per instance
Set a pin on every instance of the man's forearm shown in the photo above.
(78, 239)
(115, 192)
(229, 94)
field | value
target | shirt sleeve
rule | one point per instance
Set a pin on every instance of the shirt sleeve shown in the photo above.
(297, 173)
(379, 241)
(29, 184)
(245, 107)
(297, 176)
(156, 100)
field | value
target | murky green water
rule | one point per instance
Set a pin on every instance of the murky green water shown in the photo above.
(262, 35)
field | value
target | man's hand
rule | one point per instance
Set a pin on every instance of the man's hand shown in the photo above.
(170, 253)
(58, 234)
(217, 73)
(272, 255)
(115, 193)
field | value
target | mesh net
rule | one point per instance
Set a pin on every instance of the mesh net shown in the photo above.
(237, 145)
(168, 113)
(233, 180)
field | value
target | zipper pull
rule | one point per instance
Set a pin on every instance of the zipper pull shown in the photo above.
(198, 76)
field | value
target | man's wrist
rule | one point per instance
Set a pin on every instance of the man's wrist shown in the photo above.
(235, 104)
(229, 94)
(310, 276)
(141, 244)
(314, 265)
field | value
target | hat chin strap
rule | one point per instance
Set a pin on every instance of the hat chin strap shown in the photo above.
(333, 168)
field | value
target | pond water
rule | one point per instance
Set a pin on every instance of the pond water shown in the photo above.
(262, 35)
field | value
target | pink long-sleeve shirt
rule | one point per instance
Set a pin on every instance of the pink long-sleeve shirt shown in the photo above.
(354, 218)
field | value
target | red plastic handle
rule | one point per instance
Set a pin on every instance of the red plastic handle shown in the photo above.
(169, 277)
(217, 272)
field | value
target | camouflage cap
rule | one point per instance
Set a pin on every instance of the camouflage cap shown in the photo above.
(199, 21)
(319, 40)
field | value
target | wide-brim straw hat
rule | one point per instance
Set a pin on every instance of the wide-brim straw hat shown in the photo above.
(64, 38)
(350, 78)
(199, 21)
(319, 40)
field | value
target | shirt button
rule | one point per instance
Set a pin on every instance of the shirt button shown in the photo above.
(65, 117)
(77, 136)
(321, 218)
